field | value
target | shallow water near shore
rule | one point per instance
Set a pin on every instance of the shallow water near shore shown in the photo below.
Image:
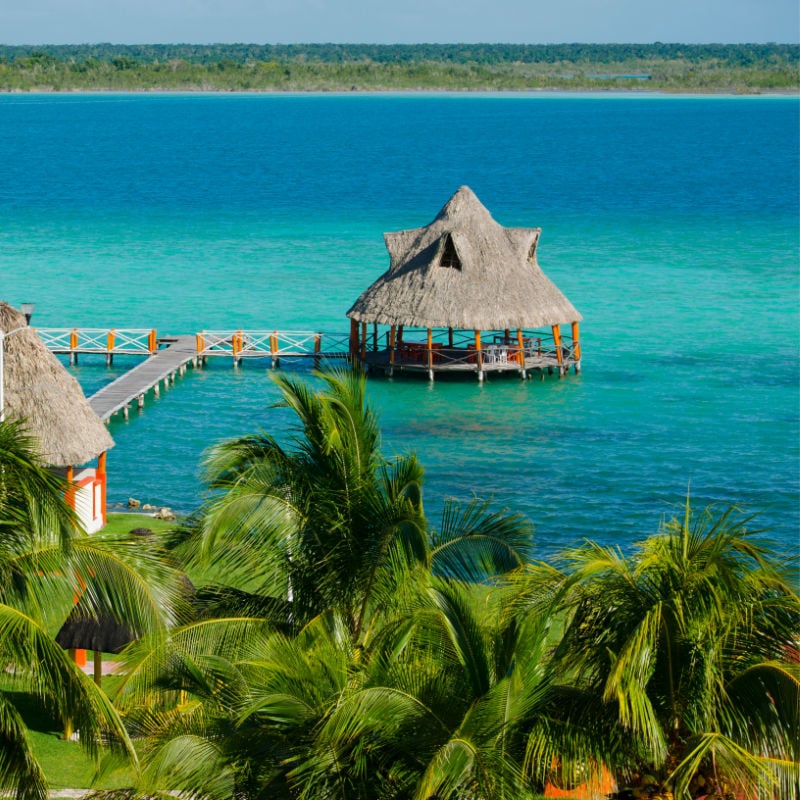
(671, 224)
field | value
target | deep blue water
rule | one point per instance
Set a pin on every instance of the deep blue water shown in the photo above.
(671, 223)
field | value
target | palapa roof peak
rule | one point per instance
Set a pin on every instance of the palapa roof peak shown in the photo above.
(40, 391)
(464, 270)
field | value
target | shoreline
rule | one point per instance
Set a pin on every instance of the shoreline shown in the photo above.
(615, 91)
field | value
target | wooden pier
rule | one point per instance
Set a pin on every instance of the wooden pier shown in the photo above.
(167, 357)
(135, 383)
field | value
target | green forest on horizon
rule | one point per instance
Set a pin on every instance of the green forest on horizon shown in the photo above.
(672, 67)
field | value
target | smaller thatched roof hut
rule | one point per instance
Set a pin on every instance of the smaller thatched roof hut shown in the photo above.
(464, 271)
(38, 389)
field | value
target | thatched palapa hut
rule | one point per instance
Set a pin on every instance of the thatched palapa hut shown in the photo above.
(464, 294)
(38, 390)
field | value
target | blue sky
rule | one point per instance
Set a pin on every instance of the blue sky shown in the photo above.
(382, 21)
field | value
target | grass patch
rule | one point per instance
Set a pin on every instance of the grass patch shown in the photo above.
(120, 523)
(64, 763)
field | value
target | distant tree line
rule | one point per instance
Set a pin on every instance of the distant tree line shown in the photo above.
(336, 67)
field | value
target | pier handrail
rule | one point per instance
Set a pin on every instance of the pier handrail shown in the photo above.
(272, 343)
(100, 340)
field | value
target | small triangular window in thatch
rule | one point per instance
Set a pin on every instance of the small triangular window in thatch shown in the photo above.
(449, 257)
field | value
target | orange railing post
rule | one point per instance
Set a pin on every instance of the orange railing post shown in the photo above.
(73, 346)
(101, 477)
(110, 348)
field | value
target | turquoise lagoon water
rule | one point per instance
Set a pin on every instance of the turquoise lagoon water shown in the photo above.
(670, 222)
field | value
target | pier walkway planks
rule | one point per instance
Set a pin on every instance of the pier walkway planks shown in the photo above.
(134, 383)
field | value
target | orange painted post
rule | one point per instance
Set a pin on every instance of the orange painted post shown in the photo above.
(201, 342)
(110, 348)
(101, 477)
(273, 348)
(73, 346)
(521, 352)
(557, 342)
(236, 346)
(152, 341)
(478, 355)
(430, 354)
(576, 345)
(78, 656)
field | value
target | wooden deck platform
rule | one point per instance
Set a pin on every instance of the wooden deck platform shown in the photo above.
(136, 382)
(464, 361)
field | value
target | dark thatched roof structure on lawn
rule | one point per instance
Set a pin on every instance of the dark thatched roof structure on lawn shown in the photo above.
(39, 390)
(466, 271)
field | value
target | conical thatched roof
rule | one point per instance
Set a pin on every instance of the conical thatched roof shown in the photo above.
(103, 634)
(464, 270)
(39, 390)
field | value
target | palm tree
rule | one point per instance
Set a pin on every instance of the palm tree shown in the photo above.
(335, 595)
(329, 522)
(689, 641)
(46, 562)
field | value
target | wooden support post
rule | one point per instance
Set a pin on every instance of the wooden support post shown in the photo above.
(140, 401)
(399, 335)
(430, 354)
(576, 346)
(110, 348)
(317, 349)
(392, 343)
(479, 356)
(101, 477)
(125, 411)
(273, 349)
(521, 353)
(450, 338)
(374, 337)
(353, 338)
(559, 354)
(98, 668)
(69, 496)
(73, 346)
(235, 347)
(363, 341)
(156, 389)
(506, 336)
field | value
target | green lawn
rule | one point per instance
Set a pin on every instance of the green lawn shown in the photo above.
(64, 763)
(126, 522)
